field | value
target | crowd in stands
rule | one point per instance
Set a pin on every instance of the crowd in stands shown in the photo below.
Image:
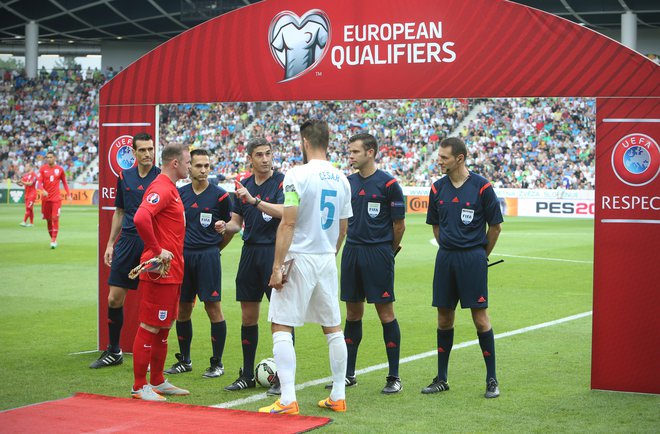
(518, 143)
(58, 111)
(543, 143)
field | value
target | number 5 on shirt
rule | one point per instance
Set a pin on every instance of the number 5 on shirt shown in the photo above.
(330, 217)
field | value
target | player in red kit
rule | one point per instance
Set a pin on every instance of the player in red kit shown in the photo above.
(160, 222)
(29, 181)
(48, 181)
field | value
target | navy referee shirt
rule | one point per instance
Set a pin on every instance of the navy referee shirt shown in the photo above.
(462, 213)
(260, 228)
(202, 211)
(130, 189)
(376, 201)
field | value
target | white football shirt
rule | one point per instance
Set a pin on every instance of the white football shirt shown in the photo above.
(324, 198)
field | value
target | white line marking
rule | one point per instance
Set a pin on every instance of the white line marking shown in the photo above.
(435, 243)
(108, 208)
(549, 234)
(648, 221)
(543, 259)
(126, 124)
(84, 352)
(641, 120)
(260, 396)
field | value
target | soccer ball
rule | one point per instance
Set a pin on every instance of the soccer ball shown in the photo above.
(265, 372)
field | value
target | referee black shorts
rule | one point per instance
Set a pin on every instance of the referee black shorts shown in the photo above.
(254, 270)
(461, 275)
(367, 271)
(125, 257)
(201, 275)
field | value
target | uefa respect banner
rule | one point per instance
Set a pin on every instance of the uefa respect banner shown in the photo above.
(626, 323)
(117, 127)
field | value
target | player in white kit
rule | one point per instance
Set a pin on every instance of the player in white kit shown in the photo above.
(317, 205)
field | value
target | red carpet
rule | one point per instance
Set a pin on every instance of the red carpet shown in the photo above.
(85, 412)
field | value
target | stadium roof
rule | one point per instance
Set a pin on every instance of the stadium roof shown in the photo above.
(93, 21)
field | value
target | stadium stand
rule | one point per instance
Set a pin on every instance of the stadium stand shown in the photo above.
(56, 111)
(517, 143)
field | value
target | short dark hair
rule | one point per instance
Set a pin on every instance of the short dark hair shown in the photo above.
(457, 146)
(170, 153)
(255, 143)
(51, 152)
(368, 141)
(142, 137)
(200, 152)
(316, 132)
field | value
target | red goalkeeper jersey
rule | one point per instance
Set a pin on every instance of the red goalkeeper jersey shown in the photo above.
(49, 179)
(161, 223)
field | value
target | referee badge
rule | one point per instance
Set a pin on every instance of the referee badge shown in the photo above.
(467, 215)
(373, 209)
(205, 219)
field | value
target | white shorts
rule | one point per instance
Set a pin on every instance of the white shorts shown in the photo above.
(310, 295)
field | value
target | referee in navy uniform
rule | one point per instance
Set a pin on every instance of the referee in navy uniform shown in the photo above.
(461, 206)
(258, 206)
(124, 246)
(367, 266)
(204, 205)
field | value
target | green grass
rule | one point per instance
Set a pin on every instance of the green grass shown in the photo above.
(48, 311)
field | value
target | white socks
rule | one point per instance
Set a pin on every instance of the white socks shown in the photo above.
(285, 360)
(338, 359)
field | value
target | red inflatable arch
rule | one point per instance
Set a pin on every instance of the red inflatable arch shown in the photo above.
(387, 49)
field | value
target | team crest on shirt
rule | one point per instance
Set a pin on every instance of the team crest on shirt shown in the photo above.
(162, 315)
(205, 219)
(266, 217)
(153, 198)
(373, 209)
(467, 215)
(57, 172)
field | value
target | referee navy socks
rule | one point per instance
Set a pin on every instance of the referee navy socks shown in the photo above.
(487, 344)
(352, 337)
(445, 340)
(115, 323)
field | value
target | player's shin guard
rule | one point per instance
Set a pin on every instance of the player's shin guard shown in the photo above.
(218, 338)
(445, 340)
(158, 356)
(285, 360)
(115, 324)
(338, 357)
(392, 338)
(487, 344)
(141, 356)
(249, 341)
(352, 337)
(184, 334)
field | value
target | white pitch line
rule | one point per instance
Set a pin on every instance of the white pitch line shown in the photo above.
(84, 352)
(260, 396)
(540, 258)
(544, 259)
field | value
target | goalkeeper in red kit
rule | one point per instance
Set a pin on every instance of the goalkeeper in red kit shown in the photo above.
(160, 222)
(48, 181)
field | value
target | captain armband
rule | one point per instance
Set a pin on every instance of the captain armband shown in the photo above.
(291, 198)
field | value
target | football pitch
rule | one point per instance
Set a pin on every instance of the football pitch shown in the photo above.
(540, 303)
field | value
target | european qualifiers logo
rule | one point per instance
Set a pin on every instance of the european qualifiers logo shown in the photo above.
(636, 159)
(120, 155)
(16, 195)
(299, 44)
